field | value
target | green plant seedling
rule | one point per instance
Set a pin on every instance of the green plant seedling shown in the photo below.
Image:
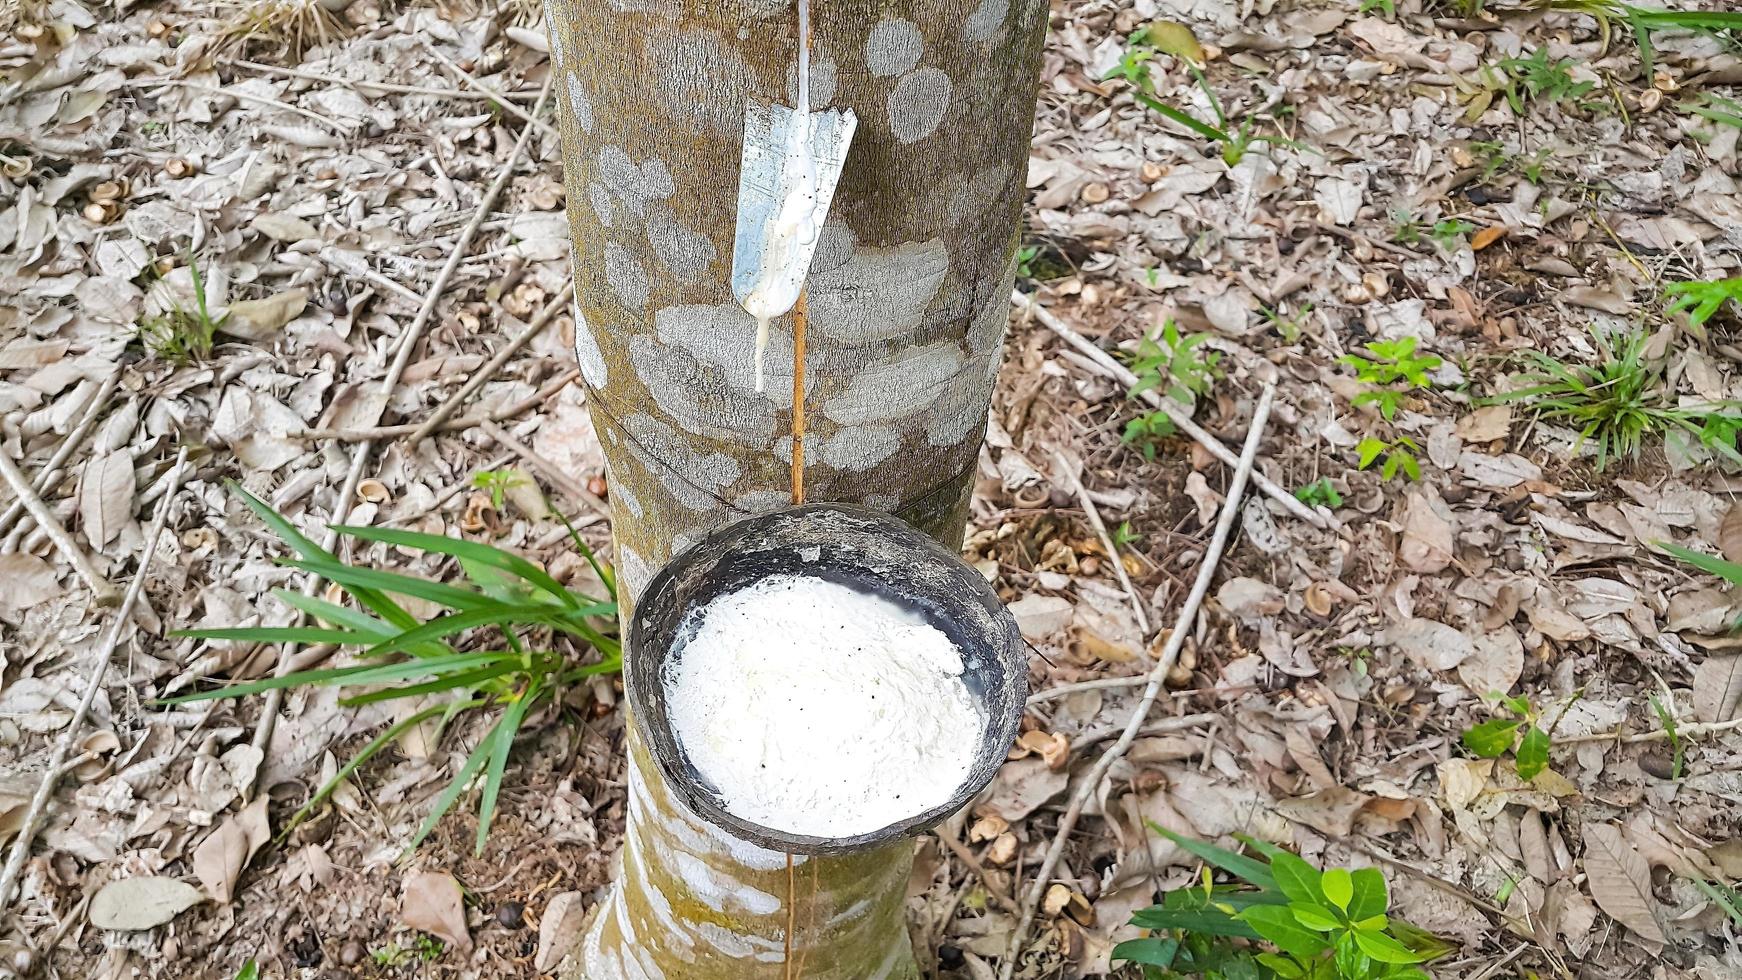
(497, 483)
(1182, 368)
(1448, 232)
(1168, 38)
(1398, 455)
(250, 971)
(1542, 81)
(1279, 918)
(1666, 718)
(401, 656)
(1519, 735)
(1124, 537)
(182, 336)
(1702, 300)
(1386, 7)
(1623, 399)
(1289, 326)
(1394, 363)
(1320, 493)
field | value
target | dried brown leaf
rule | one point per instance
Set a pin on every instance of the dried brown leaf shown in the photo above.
(1718, 688)
(1427, 537)
(1730, 534)
(433, 902)
(29, 581)
(1432, 645)
(220, 858)
(558, 928)
(1620, 881)
(106, 496)
(131, 904)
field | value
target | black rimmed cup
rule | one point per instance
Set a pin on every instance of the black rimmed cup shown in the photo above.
(864, 550)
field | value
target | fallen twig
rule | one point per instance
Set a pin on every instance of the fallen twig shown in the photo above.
(51, 473)
(967, 857)
(1657, 734)
(508, 106)
(241, 95)
(1166, 726)
(1157, 676)
(553, 472)
(1119, 372)
(407, 343)
(103, 593)
(93, 682)
(451, 425)
(544, 319)
(1115, 683)
(1100, 527)
(366, 87)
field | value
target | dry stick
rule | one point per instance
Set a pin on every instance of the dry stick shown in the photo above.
(531, 119)
(103, 593)
(1111, 683)
(1157, 675)
(544, 319)
(57, 755)
(565, 482)
(1681, 731)
(960, 850)
(1106, 539)
(372, 433)
(408, 341)
(50, 474)
(1123, 375)
(240, 96)
(364, 87)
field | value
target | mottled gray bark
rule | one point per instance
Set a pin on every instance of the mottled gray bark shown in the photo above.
(908, 299)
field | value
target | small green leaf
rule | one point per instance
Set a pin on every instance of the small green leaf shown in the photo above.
(1532, 755)
(1282, 966)
(1150, 952)
(1277, 924)
(1490, 739)
(1384, 948)
(1369, 897)
(1314, 917)
(1297, 879)
(1339, 887)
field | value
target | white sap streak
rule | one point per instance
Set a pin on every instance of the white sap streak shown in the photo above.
(719, 892)
(781, 275)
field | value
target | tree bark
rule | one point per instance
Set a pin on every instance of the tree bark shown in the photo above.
(908, 302)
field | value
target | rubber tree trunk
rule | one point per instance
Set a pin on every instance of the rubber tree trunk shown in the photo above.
(908, 299)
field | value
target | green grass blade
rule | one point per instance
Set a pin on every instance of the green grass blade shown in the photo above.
(375, 745)
(447, 682)
(1201, 128)
(419, 588)
(332, 612)
(601, 569)
(357, 674)
(277, 634)
(459, 622)
(509, 726)
(383, 606)
(1247, 869)
(1729, 571)
(469, 550)
(461, 779)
